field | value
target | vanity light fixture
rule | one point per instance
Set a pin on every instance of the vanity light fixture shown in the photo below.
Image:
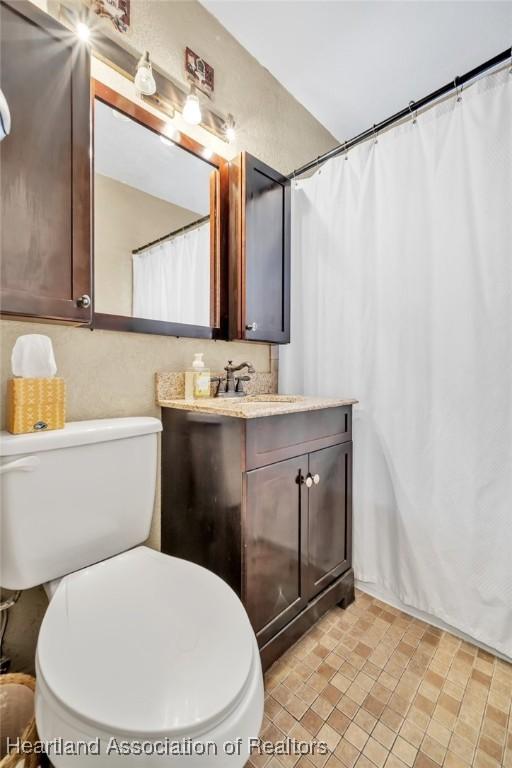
(144, 80)
(192, 109)
(207, 153)
(230, 129)
(83, 31)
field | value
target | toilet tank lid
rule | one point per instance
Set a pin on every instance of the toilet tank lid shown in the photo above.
(77, 433)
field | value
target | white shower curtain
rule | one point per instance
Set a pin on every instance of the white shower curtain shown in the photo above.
(171, 280)
(402, 298)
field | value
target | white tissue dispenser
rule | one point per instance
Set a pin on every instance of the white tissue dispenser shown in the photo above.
(35, 405)
(36, 398)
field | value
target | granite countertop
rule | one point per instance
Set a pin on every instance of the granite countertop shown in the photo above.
(256, 406)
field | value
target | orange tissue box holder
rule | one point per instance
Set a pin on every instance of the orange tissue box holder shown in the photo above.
(35, 405)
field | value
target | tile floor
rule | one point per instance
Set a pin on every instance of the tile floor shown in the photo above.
(383, 689)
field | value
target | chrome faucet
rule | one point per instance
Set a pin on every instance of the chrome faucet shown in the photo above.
(231, 385)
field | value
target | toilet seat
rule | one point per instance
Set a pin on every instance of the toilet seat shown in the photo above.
(146, 644)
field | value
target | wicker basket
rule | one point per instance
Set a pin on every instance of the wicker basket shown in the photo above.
(27, 731)
(34, 405)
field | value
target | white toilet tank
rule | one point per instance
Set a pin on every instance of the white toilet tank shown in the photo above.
(74, 496)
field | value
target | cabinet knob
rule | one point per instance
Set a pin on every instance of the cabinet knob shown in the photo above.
(251, 327)
(316, 479)
(83, 302)
(308, 481)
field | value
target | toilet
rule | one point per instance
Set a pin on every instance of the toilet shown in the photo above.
(142, 659)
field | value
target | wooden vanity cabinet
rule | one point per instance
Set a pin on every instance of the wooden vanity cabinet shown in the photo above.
(259, 251)
(266, 504)
(45, 161)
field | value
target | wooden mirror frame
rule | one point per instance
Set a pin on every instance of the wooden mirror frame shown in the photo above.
(218, 222)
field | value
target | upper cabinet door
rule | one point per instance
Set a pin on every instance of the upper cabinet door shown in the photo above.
(46, 168)
(259, 252)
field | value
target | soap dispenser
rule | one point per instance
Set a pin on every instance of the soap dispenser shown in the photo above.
(197, 379)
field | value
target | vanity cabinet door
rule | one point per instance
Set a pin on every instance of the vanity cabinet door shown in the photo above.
(45, 179)
(274, 545)
(330, 516)
(259, 252)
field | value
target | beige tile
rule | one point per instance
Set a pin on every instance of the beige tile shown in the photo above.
(285, 721)
(332, 694)
(341, 682)
(307, 693)
(296, 707)
(370, 679)
(423, 761)
(453, 761)
(462, 748)
(322, 707)
(411, 733)
(394, 762)
(347, 706)
(439, 732)
(311, 722)
(356, 736)
(365, 720)
(356, 693)
(392, 719)
(364, 681)
(384, 735)
(491, 748)
(347, 753)
(433, 749)
(483, 760)
(338, 721)
(375, 752)
(405, 751)
(329, 736)
(363, 762)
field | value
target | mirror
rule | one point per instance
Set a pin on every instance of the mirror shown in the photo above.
(155, 243)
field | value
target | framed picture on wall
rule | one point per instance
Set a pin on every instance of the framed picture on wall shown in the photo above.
(118, 11)
(199, 72)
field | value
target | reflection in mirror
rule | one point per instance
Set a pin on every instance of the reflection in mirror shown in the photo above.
(151, 224)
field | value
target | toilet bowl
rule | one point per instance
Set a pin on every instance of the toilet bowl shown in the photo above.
(142, 659)
(147, 653)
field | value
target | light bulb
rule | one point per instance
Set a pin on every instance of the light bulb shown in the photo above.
(229, 129)
(83, 31)
(120, 116)
(144, 80)
(192, 110)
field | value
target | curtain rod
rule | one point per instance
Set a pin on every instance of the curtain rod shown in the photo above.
(169, 235)
(411, 107)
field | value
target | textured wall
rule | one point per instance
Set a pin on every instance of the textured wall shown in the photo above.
(112, 374)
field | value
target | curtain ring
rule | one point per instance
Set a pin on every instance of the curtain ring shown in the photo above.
(458, 91)
(412, 104)
(345, 150)
(375, 139)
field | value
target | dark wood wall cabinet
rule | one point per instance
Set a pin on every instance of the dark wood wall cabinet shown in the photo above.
(46, 168)
(266, 504)
(259, 252)
(46, 210)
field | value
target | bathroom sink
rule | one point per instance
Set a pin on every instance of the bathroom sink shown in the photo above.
(273, 398)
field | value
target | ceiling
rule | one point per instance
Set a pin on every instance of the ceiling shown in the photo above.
(352, 64)
(132, 154)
